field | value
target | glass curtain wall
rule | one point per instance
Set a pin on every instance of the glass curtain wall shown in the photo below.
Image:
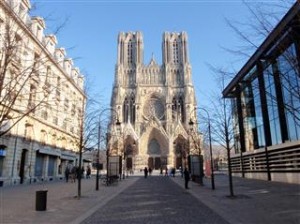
(290, 84)
(272, 102)
(284, 66)
(252, 112)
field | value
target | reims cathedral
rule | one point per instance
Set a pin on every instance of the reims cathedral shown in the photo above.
(154, 103)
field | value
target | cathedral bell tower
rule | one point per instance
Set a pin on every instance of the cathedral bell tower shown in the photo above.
(153, 103)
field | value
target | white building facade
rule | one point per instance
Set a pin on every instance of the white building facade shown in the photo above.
(153, 102)
(46, 109)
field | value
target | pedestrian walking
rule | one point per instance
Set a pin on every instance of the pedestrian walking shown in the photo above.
(186, 178)
(146, 172)
(173, 172)
(73, 174)
(181, 171)
(82, 172)
(166, 172)
(150, 171)
(88, 172)
(67, 173)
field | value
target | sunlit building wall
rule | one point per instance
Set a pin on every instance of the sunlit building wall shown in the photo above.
(44, 142)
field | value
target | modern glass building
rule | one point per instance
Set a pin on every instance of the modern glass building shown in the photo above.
(266, 106)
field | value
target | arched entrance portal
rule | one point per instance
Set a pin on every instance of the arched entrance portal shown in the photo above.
(154, 152)
(180, 151)
(129, 152)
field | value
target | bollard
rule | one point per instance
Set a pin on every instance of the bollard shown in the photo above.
(41, 200)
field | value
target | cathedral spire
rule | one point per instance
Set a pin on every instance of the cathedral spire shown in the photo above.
(152, 61)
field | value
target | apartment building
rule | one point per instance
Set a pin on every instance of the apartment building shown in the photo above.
(42, 99)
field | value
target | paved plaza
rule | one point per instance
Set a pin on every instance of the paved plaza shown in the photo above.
(157, 199)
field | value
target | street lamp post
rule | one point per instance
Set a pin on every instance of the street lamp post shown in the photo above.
(191, 123)
(118, 123)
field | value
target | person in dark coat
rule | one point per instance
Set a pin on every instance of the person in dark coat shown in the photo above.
(186, 174)
(146, 172)
(88, 172)
(150, 171)
(67, 173)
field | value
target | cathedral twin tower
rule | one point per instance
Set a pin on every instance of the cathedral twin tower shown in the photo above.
(153, 102)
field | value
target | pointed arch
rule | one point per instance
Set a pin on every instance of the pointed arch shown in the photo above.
(178, 108)
(129, 111)
(181, 151)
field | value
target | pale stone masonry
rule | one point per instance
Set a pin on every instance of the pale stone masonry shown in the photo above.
(153, 102)
(45, 141)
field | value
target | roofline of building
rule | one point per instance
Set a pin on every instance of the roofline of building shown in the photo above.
(279, 28)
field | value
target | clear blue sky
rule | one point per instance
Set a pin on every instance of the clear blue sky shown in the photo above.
(90, 34)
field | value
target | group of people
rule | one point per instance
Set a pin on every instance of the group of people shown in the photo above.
(74, 172)
(146, 171)
(168, 172)
(184, 173)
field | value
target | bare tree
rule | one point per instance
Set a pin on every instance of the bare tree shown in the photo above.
(222, 123)
(88, 133)
(195, 146)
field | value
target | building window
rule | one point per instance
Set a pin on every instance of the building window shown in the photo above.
(125, 110)
(53, 141)
(130, 52)
(64, 125)
(32, 98)
(28, 132)
(73, 110)
(259, 125)
(273, 113)
(154, 147)
(63, 143)
(178, 109)
(51, 165)
(55, 120)
(58, 82)
(235, 123)
(47, 78)
(290, 84)
(44, 115)
(2, 157)
(175, 52)
(39, 164)
(252, 114)
(43, 137)
(66, 104)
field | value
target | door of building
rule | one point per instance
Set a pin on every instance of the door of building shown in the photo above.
(129, 163)
(22, 166)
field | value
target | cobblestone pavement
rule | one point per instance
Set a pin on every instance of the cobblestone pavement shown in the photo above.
(254, 201)
(17, 203)
(155, 199)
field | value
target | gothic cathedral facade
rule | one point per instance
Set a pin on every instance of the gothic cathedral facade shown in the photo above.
(153, 102)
